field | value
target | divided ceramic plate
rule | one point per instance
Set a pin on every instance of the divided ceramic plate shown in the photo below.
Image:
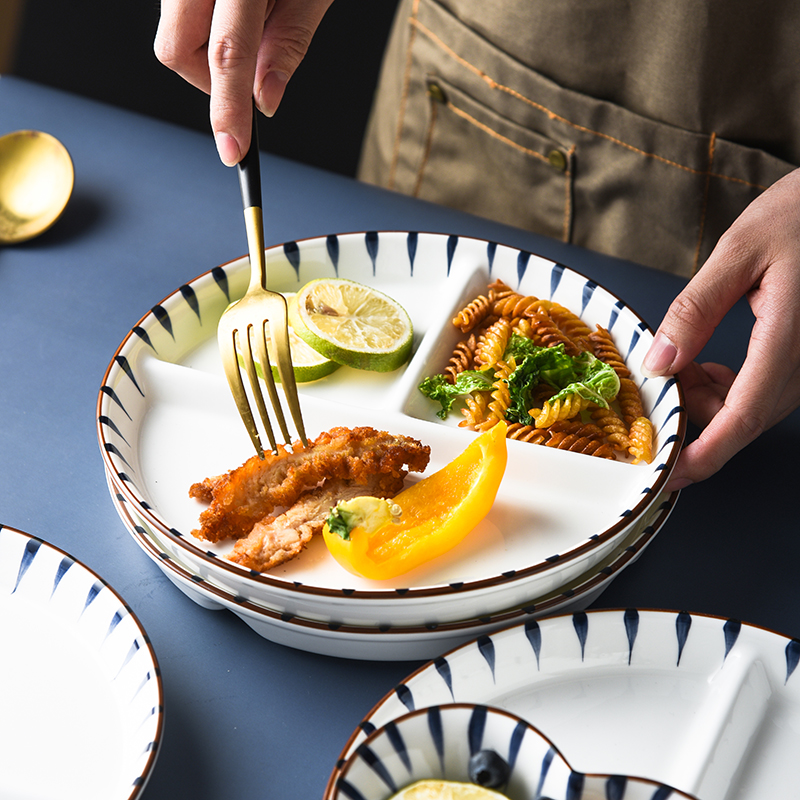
(81, 711)
(707, 705)
(477, 744)
(383, 642)
(166, 420)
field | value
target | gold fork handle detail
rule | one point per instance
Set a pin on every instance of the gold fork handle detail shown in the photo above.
(254, 225)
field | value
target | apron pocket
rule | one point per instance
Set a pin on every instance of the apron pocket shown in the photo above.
(531, 174)
(460, 122)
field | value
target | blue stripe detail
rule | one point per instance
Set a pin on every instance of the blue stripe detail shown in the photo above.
(731, 630)
(477, 726)
(371, 242)
(188, 294)
(580, 621)
(452, 243)
(31, 549)
(332, 246)
(631, 618)
(683, 622)
(411, 246)
(292, 253)
(437, 731)
(491, 252)
(486, 649)
(534, 635)
(442, 666)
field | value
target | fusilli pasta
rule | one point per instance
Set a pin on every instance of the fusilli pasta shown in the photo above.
(619, 429)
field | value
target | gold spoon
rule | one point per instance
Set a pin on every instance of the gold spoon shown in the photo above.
(36, 180)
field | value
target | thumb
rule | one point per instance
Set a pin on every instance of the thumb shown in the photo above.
(695, 313)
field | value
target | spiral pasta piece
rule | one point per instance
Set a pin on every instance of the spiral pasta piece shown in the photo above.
(522, 327)
(500, 396)
(475, 410)
(498, 289)
(630, 401)
(515, 305)
(545, 333)
(553, 410)
(604, 348)
(572, 326)
(473, 314)
(462, 359)
(579, 437)
(526, 433)
(614, 429)
(492, 344)
(641, 446)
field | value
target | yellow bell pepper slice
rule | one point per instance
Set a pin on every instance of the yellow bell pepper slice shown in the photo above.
(426, 520)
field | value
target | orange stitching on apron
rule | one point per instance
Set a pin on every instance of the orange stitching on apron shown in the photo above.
(428, 144)
(567, 235)
(711, 147)
(404, 97)
(486, 129)
(552, 114)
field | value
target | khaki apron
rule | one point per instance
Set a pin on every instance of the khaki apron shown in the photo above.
(639, 129)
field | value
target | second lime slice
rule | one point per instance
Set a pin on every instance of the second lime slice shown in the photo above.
(309, 364)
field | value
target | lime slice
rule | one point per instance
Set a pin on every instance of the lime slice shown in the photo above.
(308, 363)
(352, 324)
(366, 512)
(446, 790)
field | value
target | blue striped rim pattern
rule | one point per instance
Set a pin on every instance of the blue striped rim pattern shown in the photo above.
(436, 743)
(692, 699)
(50, 584)
(170, 330)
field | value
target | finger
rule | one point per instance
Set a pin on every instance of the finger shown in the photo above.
(695, 313)
(705, 388)
(181, 41)
(236, 30)
(287, 36)
(754, 402)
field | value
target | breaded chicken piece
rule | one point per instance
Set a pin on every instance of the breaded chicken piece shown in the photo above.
(246, 495)
(275, 540)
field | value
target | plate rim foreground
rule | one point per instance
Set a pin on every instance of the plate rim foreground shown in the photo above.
(115, 466)
(222, 599)
(91, 588)
(435, 679)
(399, 754)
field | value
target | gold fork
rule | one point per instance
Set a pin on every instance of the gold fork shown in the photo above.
(244, 323)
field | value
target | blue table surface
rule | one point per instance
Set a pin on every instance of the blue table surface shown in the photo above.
(153, 208)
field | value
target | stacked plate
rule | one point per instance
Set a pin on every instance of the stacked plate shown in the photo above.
(710, 706)
(563, 524)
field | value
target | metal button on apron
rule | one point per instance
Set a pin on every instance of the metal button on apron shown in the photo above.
(436, 93)
(557, 159)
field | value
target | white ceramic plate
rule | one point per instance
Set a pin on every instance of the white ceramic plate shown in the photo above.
(439, 743)
(81, 710)
(383, 642)
(708, 705)
(166, 420)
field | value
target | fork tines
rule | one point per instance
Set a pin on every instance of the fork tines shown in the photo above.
(253, 337)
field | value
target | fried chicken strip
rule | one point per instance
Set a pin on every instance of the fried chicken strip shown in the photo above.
(275, 540)
(244, 496)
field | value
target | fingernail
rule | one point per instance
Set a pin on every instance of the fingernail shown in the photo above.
(271, 92)
(659, 358)
(228, 149)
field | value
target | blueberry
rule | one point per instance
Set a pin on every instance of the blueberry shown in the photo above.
(488, 769)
